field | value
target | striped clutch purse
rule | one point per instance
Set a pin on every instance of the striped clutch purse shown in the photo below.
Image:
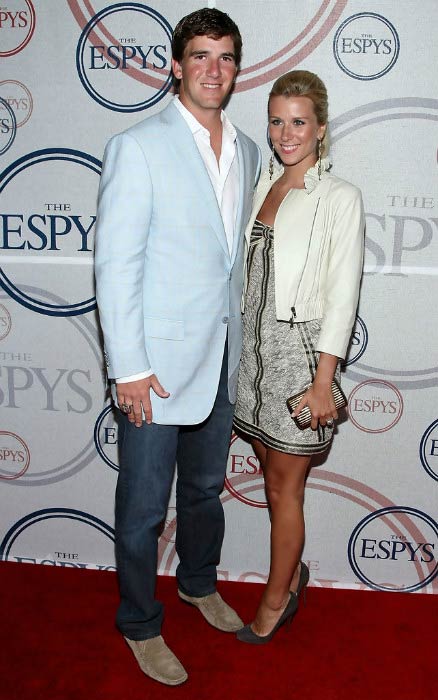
(304, 418)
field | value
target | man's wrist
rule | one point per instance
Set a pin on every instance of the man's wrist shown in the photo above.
(135, 377)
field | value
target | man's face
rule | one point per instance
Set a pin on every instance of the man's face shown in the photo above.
(207, 71)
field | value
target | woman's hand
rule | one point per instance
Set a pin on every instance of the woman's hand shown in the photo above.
(319, 399)
(319, 396)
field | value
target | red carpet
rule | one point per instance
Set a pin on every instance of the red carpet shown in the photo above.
(58, 642)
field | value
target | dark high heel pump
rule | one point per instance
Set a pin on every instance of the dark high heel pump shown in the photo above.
(246, 634)
(303, 580)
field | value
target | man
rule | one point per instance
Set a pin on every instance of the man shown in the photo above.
(176, 193)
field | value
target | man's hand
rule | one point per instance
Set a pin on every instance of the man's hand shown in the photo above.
(137, 395)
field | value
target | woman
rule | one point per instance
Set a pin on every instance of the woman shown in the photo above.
(305, 243)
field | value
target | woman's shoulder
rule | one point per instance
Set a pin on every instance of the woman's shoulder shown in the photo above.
(340, 188)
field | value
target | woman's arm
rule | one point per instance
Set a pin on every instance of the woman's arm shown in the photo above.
(341, 296)
(344, 271)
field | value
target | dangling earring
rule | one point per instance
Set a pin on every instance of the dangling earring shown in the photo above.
(271, 163)
(319, 158)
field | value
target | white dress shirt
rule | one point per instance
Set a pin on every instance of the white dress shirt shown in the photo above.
(224, 177)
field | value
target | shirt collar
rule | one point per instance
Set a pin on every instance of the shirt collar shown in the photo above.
(195, 126)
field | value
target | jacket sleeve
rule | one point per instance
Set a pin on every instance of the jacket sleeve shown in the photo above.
(123, 220)
(344, 273)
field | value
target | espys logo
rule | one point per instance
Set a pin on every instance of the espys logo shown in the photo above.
(375, 406)
(67, 537)
(8, 126)
(127, 39)
(5, 322)
(18, 97)
(366, 46)
(244, 479)
(429, 450)
(106, 437)
(358, 342)
(14, 456)
(17, 25)
(56, 228)
(395, 544)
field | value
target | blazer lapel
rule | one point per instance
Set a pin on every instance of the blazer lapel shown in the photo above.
(243, 185)
(189, 159)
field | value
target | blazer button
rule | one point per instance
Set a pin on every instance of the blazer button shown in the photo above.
(225, 319)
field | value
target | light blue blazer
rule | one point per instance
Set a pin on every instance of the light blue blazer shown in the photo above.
(168, 290)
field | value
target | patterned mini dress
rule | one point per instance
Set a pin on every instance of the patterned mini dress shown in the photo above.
(278, 360)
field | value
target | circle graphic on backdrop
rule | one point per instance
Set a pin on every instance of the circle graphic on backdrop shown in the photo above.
(50, 236)
(109, 47)
(241, 469)
(375, 551)
(375, 406)
(56, 388)
(401, 246)
(17, 25)
(429, 450)
(14, 455)
(8, 126)
(366, 46)
(105, 437)
(317, 25)
(5, 322)
(59, 528)
(358, 342)
(19, 98)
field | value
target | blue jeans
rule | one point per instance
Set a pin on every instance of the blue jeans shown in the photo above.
(148, 456)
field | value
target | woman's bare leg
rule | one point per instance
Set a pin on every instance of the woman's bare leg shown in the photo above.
(285, 477)
(259, 451)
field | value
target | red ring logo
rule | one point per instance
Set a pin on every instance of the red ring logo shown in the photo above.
(375, 406)
(5, 322)
(169, 529)
(17, 19)
(13, 452)
(243, 474)
(18, 102)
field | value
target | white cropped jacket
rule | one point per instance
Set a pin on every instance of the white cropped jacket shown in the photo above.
(318, 254)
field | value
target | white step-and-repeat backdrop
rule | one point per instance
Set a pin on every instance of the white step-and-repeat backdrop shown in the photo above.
(73, 73)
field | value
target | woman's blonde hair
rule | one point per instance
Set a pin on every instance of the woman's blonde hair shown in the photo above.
(303, 83)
